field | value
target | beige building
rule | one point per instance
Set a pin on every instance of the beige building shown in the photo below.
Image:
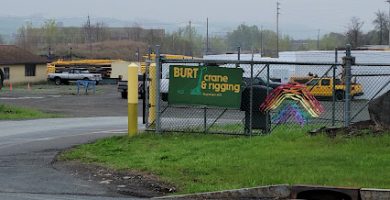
(20, 66)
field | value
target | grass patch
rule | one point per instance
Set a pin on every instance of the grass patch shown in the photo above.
(199, 163)
(50, 89)
(8, 112)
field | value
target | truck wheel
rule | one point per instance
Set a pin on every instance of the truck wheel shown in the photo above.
(124, 95)
(57, 81)
(340, 95)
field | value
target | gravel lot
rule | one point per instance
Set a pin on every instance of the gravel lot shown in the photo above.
(65, 101)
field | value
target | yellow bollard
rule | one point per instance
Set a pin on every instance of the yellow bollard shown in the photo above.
(132, 99)
(152, 94)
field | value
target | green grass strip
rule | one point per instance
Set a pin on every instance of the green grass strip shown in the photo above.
(8, 112)
(199, 163)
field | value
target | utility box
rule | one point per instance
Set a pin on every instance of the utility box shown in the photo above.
(259, 120)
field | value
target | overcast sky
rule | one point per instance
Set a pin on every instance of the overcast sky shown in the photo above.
(297, 16)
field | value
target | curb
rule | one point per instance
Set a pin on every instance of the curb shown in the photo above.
(276, 192)
(374, 194)
(285, 191)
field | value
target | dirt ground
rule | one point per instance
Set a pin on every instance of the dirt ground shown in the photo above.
(63, 100)
(132, 183)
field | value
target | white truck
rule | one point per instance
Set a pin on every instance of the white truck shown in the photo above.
(74, 75)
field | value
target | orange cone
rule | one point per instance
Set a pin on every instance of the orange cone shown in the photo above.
(10, 87)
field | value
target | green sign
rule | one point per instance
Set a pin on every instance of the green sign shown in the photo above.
(205, 85)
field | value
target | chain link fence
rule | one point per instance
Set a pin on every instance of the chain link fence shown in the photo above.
(375, 79)
(327, 82)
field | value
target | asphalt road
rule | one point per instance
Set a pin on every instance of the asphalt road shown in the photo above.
(27, 149)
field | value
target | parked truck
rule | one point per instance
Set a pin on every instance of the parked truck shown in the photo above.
(73, 75)
(323, 87)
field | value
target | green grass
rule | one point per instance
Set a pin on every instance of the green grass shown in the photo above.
(198, 163)
(49, 88)
(8, 112)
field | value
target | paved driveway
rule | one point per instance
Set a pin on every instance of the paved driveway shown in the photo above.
(27, 149)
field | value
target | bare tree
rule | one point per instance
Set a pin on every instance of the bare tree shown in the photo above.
(100, 32)
(354, 33)
(136, 32)
(25, 37)
(381, 25)
(88, 33)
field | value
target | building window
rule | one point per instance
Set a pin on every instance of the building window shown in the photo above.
(6, 73)
(30, 69)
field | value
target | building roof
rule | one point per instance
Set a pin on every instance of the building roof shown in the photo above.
(13, 55)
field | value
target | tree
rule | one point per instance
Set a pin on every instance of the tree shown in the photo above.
(25, 37)
(88, 31)
(269, 43)
(246, 37)
(332, 40)
(354, 33)
(372, 38)
(99, 32)
(136, 32)
(217, 44)
(381, 25)
(50, 32)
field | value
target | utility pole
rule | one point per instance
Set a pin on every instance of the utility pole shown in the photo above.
(207, 37)
(388, 1)
(261, 42)
(277, 27)
(190, 37)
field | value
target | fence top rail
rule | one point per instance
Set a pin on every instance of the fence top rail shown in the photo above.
(372, 64)
(244, 62)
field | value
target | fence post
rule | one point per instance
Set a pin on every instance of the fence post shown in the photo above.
(158, 89)
(251, 100)
(334, 89)
(348, 59)
(238, 56)
(146, 88)
(268, 125)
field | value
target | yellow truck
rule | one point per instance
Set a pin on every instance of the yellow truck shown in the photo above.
(323, 87)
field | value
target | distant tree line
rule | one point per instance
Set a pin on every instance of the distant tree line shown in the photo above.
(97, 39)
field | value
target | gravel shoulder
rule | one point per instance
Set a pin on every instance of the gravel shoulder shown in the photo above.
(123, 182)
